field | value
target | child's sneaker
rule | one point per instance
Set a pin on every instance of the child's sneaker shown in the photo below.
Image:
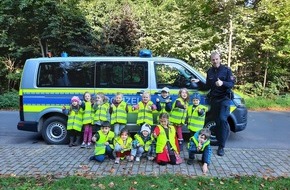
(129, 158)
(92, 158)
(189, 161)
(83, 145)
(89, 146)
(117, 161)
(151, 158)
(137, 159)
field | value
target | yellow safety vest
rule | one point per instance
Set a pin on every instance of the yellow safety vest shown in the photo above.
(177, 115)
(101, 112)
(119, 114)
(74, 121)
(127, 145)
(88, 113)
(195, 122)
(162, 139)
(145, 114)
(141, 142)
(196, 143)
(100, 147)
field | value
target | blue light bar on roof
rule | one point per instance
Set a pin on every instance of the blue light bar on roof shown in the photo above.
(145, 53)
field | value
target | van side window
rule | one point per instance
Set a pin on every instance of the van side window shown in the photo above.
(122, 74)
(62, 74)
(172, 75)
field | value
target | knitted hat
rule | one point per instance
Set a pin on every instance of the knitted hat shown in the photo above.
(196, 96)
(75, 99)
(146, 127)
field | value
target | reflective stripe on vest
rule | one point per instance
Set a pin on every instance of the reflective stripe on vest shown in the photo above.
(100, 147)
(195, 122)
(102, 112)
(127, 146)
(162, 138)
(178, 115)
(142, 143)
(203, 145)
(119, 114)
(88, 114)
(145, 114)
(74, 121)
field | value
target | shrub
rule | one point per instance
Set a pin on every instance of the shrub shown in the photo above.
(9, 100)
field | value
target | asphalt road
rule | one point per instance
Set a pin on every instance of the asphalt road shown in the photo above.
(267, 129)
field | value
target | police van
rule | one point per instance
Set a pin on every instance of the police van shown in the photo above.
(47, 84)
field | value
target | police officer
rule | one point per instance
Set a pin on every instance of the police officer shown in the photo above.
(220, 81)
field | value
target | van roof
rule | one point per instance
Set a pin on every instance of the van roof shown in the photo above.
(102, 58)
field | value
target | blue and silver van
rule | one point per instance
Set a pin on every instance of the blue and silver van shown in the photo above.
(47, 84)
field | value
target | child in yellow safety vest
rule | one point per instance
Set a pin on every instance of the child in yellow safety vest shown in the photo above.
(87, 110)
(119, 112)
(167, 147)
(145, 110)
(101, 109)
(123, 146)
(163, 103)
(74, 122)
(103, 143)
(195, 115)
(179, 113)
(143, 143)
(199, 143)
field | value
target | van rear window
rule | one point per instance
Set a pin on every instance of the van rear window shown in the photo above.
(116, 74)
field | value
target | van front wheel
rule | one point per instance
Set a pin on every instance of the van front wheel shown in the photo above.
(54, 130)
(211, 125)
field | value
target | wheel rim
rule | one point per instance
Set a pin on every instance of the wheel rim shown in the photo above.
(56, 132)
(209, 126)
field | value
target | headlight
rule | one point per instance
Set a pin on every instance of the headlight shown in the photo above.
(239, 102)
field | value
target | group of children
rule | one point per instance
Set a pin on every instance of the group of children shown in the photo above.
(162, 142)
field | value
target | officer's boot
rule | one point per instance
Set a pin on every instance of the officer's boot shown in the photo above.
(78, 141)
(71, 140)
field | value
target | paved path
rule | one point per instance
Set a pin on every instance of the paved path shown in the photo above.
(60, 161)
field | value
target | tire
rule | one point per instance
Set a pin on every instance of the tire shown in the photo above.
(213, 140)
(54, 130)
(211, 125)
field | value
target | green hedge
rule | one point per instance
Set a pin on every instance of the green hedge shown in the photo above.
(9, 100)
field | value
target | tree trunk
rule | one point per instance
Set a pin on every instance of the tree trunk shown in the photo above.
(265, 75)
(230, 40)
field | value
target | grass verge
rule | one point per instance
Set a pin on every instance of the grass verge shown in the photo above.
(279, 103)
(168, 181)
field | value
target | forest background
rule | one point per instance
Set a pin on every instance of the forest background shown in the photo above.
(253, 38)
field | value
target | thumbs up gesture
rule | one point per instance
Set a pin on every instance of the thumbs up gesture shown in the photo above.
(219, 82)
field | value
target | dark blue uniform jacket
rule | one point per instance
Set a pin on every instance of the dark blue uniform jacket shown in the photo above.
(224, 74)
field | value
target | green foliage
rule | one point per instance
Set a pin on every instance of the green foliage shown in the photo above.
(272, 103)
(9, 100)
(167, 181)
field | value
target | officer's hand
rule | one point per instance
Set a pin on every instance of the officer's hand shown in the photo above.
(219, 82)
(195, 80)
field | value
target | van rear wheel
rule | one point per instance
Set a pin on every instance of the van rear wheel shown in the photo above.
(54, 130)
